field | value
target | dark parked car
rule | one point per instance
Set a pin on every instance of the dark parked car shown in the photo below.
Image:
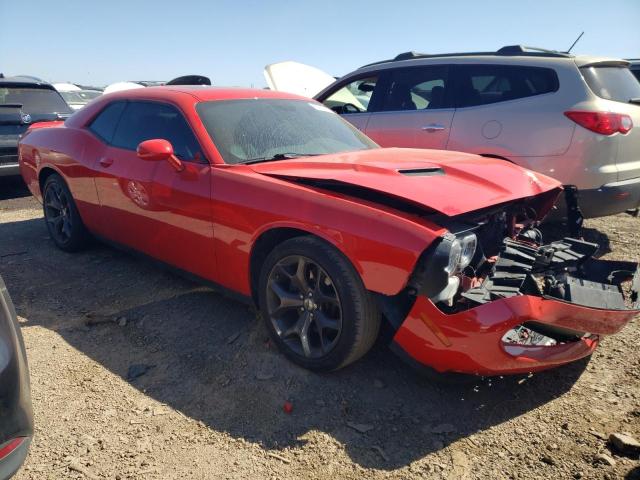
(16, 416)
(23, 101)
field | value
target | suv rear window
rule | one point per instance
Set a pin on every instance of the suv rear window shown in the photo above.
(34, 100)
(485, 84)
(612, 83)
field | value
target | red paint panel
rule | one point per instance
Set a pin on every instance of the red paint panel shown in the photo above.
(491, 180)
(383, 245)
(475, 335)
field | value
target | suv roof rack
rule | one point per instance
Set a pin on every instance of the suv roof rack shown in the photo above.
(516, 50)
(409, 55)
(520, 49)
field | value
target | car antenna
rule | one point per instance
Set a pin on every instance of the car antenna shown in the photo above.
(574, 43)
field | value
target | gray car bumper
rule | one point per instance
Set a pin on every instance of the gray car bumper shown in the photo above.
(16, 414)
(609, 199)
(12, 462)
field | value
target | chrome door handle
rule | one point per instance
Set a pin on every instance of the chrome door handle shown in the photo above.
(106, 162)
(433, 127)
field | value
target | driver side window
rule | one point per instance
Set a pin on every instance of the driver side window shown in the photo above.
(354, 97)
(145, 120)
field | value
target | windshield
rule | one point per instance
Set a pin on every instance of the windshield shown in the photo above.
(612, 83)
(34, 100)
(80, 96)
(246, 130)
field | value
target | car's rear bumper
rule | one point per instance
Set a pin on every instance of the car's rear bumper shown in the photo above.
(16, 414)
(13, 455)
(471, 341)
(609, 199)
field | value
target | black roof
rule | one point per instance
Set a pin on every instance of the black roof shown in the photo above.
(190, 80)
(24, 81)
(509, 50)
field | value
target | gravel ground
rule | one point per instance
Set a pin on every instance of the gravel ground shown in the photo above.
(138, 373)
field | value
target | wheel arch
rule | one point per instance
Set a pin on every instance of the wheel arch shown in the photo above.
(44, 173)
(268, 240)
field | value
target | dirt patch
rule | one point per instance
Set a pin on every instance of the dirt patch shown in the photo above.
(138, 373)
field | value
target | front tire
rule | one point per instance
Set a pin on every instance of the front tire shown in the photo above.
(61, 215)
(315, 305)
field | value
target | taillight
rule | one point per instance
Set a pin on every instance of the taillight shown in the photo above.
(10, 446)
(605, 123)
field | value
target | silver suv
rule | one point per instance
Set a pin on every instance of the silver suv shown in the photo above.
(570, 117)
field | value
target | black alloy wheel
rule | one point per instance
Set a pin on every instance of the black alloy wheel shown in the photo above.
(304, 306)
(315, 306)
(61, 214)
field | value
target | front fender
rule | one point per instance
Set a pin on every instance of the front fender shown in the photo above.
(384, 268)
(382, 244)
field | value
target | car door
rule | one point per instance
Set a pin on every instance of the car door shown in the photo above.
(150, 205)
(354, 99)
(415, 110)
(510, 111)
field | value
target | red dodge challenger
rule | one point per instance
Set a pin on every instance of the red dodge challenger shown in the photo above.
(277, 198)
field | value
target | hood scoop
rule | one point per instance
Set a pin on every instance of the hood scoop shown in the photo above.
(422, 172)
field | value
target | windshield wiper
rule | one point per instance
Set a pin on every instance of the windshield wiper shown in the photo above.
(279, 156)
(635, 100)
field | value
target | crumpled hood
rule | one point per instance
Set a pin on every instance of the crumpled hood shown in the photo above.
(451, 183)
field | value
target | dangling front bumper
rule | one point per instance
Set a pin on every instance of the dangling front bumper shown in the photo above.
(480, 340)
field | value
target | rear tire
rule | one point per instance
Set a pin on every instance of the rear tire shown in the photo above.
(61, 215)
(315, 306)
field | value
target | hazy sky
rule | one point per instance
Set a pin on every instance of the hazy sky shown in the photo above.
(100, 42)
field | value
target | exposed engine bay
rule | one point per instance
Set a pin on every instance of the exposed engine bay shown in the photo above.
(502, 254)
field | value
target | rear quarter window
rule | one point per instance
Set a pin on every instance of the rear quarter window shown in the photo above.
(104, 125)
(612, 83)
(486, 84)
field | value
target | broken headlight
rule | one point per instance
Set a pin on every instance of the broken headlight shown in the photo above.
(461, 253)
(438, 276)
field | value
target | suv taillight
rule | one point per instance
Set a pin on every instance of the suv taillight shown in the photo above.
(605, 123)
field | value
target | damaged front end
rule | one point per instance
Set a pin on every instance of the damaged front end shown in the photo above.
(491, 298)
